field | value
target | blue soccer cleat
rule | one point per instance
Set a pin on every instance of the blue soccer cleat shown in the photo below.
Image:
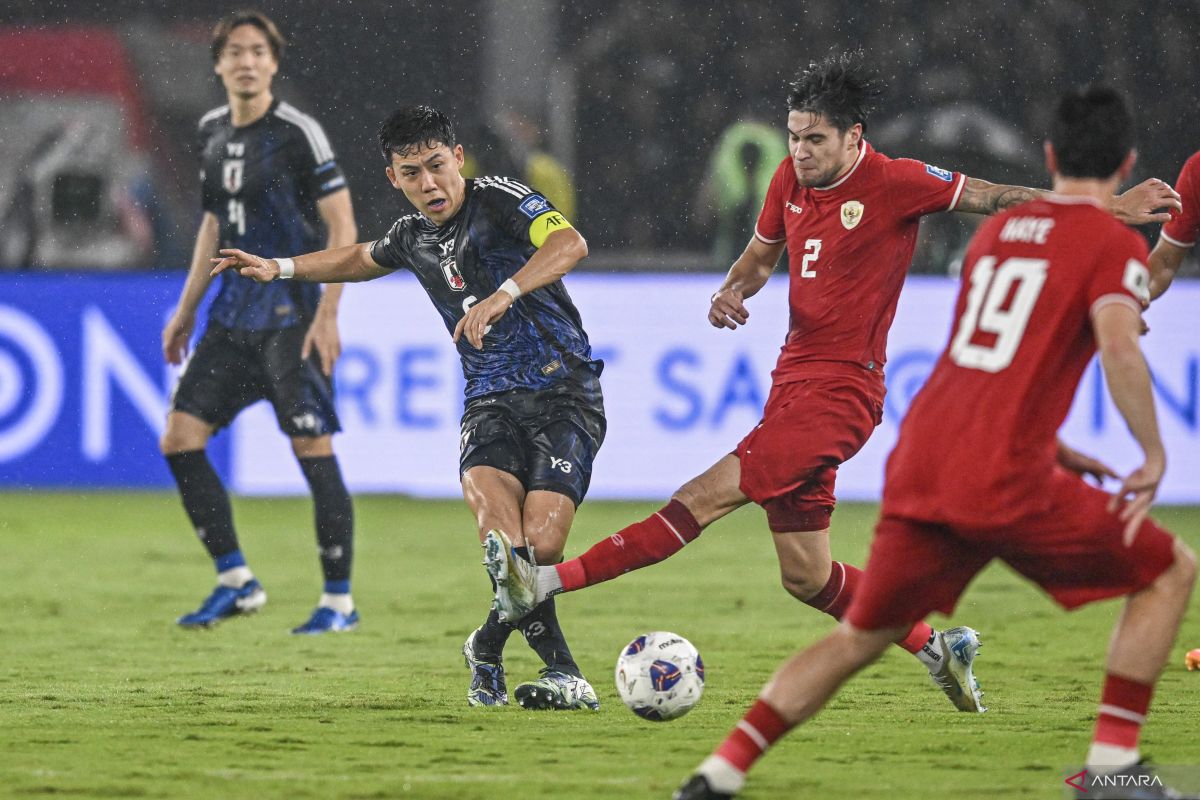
(488, 687)
(224, 602)
(325, 620)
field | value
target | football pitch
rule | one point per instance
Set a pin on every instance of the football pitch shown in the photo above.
(101, 695)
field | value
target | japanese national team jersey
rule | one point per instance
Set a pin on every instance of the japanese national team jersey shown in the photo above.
(849, 247)
(262, 181)
(499, 227)
(978, 444)
(1184, 227)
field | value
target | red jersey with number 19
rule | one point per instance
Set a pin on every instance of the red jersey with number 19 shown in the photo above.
(978, 444)
(849, 248)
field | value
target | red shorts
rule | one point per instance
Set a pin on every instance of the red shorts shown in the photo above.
(1073, 550)
(789, 461)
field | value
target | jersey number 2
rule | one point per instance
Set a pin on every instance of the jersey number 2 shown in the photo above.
(991, 287)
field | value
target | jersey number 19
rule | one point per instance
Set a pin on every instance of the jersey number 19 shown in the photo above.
(991, 287)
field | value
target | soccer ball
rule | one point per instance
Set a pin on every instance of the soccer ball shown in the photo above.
(660, 676)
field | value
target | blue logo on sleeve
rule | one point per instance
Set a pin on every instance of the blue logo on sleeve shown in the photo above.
(535, 204)
(938, 172)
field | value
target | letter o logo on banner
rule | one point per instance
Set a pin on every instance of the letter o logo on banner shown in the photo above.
(21, 435)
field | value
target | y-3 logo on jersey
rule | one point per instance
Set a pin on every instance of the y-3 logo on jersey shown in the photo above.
(561, 464)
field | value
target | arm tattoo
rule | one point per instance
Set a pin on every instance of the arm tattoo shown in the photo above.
(981, 197)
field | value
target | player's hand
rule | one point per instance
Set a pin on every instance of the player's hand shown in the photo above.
(1137, 493)
(1141, 204)
(323, 337)
(263, 270)
(175, 337)
(1082, 464)
(480, 317)
(728, 310)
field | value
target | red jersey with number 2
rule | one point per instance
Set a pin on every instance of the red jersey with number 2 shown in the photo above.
(849, 247)
(978, 444)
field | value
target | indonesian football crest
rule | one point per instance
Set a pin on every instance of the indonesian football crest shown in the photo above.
(852, 214)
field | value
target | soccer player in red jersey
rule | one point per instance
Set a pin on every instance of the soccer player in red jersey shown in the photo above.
(849, 217)
(1179, 235)
(978, 472)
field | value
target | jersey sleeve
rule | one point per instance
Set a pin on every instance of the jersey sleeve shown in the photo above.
(770, 228)
(389, 251)
(917, 188)
(208, 200)
(1184, 227)
(520, 211)
(313, 157)
(1120, 275)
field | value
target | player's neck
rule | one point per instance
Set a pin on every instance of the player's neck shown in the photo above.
(1101, 191)
(245, 111)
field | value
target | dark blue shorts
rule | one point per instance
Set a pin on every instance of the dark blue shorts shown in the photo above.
(233, 368)
(546, 438)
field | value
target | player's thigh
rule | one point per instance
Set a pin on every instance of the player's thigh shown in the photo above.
(300, 393)
(913, 569)
(546, 520)
(490, 436)
(565, 428)
(1074, 548)
(221, 378)
(496, 498)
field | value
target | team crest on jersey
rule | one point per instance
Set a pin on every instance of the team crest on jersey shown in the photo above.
(852, 214)
(232, 175)
(454, 278)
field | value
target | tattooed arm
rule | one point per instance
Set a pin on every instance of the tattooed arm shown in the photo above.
(1134, 207)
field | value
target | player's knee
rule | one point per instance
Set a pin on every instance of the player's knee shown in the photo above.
(802, 584)
(1185, 565)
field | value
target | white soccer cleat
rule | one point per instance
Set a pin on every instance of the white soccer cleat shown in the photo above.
(953, 675)
(558, 691)
(514, 576)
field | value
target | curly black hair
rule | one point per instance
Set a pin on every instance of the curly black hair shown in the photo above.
(1092, 132)
(410, 128)
(841, 89)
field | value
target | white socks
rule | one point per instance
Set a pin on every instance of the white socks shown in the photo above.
(1105, 758)
(235, 577)
(932, 655)
(546, 583)
(722, 776)
(341, 603)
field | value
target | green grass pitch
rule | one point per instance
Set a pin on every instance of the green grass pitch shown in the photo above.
(102, 696)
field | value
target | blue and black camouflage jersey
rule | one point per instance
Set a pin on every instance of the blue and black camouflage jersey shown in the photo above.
(499, 227)
(262, 181)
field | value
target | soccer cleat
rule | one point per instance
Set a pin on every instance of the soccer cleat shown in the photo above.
(697, 788)
(1135, 782)
(487, 677)
(325, 620)
(514, 577)
(557, 691)
(226, 601)
(953, 675)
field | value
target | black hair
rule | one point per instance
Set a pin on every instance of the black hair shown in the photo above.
(259, 20)
(1092, 132)
(841, 89)
(412, 127)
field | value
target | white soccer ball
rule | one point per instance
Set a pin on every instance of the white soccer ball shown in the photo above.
(660, 676)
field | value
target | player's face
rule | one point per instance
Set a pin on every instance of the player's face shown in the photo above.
(247, 64)
(820, 152)
(431, 178)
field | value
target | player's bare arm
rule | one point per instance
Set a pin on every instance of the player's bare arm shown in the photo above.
(350, 264)
(747, 275)
(1147, 202)
(1117, 328)
(1164, 263)
(1082, 464)
(337, 213)
(558, 255)
(179, 327)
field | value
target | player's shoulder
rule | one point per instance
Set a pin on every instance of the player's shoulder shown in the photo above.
(507, 196)
(305, 128)
(497, 186)
(215, 117)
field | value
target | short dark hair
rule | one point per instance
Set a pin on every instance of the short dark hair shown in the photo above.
(259, 20)
(412, 127)
(841, 89)
(1092, 132)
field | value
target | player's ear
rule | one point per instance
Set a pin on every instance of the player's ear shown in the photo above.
(856, 134)
(1051, 158)
(458, 155)
(392, 179)
(1126, 168)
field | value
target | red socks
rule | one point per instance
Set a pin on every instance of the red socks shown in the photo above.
(1123, 707)
(834, 598)
(759, 729)
(659, 536)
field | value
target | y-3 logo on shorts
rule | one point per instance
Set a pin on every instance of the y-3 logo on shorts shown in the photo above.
(561, 464)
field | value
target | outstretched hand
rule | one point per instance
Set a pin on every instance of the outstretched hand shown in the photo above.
(728, 310)
(263, 270)
(1137, 493)
(1141, 204)
(480, 317)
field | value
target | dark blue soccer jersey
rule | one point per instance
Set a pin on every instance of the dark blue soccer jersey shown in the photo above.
(499, 227)
(262, 181)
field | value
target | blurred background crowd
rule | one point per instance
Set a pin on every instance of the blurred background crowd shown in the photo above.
(655, 126)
